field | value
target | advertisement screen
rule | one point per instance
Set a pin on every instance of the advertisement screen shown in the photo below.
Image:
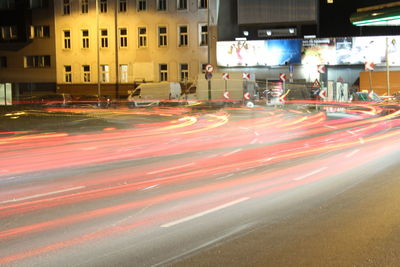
(327, 51)
(258, 53)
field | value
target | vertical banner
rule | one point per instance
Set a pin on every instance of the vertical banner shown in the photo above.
(330, 91)
(2, 94)
(8, 94)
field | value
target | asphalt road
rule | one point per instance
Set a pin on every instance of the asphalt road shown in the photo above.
(297, 186)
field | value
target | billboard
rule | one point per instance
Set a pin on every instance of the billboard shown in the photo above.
(258, 53)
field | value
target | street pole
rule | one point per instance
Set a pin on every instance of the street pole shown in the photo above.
(116, 51)
(98, 50)
(387, 67)
(208, 46)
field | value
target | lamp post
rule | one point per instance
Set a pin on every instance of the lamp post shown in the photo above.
(98, 50)
(208, 46)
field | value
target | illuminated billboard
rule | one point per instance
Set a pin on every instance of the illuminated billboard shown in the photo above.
(258, 53)
(324, 51)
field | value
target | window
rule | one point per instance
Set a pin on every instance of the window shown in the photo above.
(142, 37)
(66, 7)
(85, 38)
(8, 32)
(105, 73)
(141, 5)
(203, 67)
(3, 62)
(329, 1)
(203, 3)
(7, 4)
(67, 74)
(39, 3)
(183, 36)
(67, 39)
(123, 37)
(86, 73)
(124, 73)
(161, 5)
(163, 72)
(182, 4)
(37, 61)
(184, 72)
(84, 6)
(104, 38)
(203, 31)
(122, 6)
(103, 6)
(162, 36)
(40, 31)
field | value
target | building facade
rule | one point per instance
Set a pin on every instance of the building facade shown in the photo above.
(109, 46)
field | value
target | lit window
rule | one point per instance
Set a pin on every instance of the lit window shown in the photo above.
(67, 39)
(123, 37)
(141, 5)
(183, 36)
(67, 74)
(105, 73)
(142, 37)
(124, 73)
(182, 4)
(104, 38)
(3, 62)
(37, 61)
(8, 32)
(163, 72)
(122, 6)
(203, 31)
(203, 3)
(329, 1)
(66, 7)
(103, 6)
(86, 73)
(85, 38)
(184, 72)
(84, 6)
(162, 36)
(40, 31)
(161, 5)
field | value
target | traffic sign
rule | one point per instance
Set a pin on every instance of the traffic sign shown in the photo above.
(321, 68)
(316, 84)
(225, 76)
(246, 76)
(282, 76)
(322, 94)
(208, 75)
(226, 95)
(246, 95)
(369, 66)
(209, 68)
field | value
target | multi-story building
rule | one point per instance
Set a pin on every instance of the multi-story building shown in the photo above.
(109, 47)
(27, 48)
(106, 46)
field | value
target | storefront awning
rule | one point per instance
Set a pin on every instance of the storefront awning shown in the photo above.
(382, 15)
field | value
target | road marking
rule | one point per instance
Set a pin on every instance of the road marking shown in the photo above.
(150, 187)
(361, 140)
(310, 174)
(332, 127)
(255, 140)
(170, 169)
(225, 176)
(204, 212)
(42, 195)
(352, 153)
(232, 152)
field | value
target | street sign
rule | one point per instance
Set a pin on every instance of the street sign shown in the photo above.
(291, 68)
(316, 84)
(322, 94)
(226, 95)
(369, 66)
(246, 95)
(282, 77)
(225, 76)
(321, 68)
(209, 68)
(208, 75)
(246, 76)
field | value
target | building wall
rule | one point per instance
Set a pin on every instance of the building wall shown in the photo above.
(143, 63)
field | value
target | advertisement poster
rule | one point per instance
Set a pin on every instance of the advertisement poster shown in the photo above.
(258, 53)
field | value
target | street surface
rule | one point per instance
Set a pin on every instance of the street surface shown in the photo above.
(300, 185)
